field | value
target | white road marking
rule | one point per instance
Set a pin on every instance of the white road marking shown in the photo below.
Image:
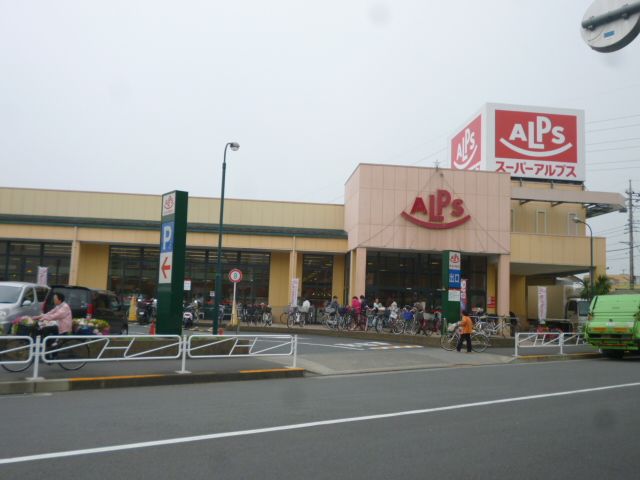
(328, 345)
(26, 395)
(297, 426)
(396, 347)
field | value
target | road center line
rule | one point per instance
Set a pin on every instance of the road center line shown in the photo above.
(297, 426)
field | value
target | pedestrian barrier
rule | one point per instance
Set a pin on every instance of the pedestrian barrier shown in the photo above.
(17, 352)
(556, 340)
(81, 349)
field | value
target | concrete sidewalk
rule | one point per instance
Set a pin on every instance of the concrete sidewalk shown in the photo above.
(116, 374)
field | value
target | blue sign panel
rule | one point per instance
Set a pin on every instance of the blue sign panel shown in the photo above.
(454, 278)
(166, 242)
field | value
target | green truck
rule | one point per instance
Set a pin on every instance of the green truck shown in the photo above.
(614, 324)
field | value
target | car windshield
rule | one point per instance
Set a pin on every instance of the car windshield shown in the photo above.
(9, 294)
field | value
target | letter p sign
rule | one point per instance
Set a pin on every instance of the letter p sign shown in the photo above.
(166, 242)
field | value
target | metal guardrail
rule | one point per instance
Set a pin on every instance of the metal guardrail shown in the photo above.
(555, 340)
(23, 343)
(119, 348)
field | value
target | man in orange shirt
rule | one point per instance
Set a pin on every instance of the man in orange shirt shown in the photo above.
(466, 327)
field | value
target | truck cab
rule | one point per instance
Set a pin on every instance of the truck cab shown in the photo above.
(577, 312)
(614, 324)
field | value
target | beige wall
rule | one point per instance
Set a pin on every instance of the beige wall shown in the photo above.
(93, 265)
(376, 195)
(518, 291)
(558, 250)
(279, 281)
(60, 203)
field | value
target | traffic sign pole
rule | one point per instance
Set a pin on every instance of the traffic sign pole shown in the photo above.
(235, 276)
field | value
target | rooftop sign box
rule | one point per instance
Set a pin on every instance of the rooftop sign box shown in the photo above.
(527, 142)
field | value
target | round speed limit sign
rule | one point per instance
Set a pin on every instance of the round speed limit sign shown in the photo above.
(235, 275)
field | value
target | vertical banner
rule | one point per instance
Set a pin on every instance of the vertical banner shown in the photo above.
(463, 294)
(43, 273)
(295, 282)
(542, 303)
(171, 282)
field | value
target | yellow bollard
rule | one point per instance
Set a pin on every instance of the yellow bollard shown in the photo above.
(133, 309)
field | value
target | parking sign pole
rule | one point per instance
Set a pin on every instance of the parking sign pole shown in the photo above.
(173, 239)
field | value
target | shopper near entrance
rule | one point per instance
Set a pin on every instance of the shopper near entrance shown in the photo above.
(304, 309)
(466, 327)
(60, 316)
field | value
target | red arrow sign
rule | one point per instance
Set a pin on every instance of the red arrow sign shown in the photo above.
(165, 267)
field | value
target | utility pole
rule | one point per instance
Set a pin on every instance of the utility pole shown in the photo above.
(632, 280)
(632, 198)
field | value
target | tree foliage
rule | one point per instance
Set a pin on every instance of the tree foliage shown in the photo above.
(602, 286)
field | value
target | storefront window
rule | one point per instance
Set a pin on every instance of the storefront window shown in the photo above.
(19, 261)
(135, 270)
(317, 276)
(407, 278)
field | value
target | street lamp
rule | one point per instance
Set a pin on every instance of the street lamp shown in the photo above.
(591, 272)
(218, 288)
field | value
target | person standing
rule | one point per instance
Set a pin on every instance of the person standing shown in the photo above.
(466, 327)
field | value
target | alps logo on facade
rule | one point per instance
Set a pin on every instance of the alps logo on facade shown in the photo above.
(442, 206)
(536, 136)
(466, 146)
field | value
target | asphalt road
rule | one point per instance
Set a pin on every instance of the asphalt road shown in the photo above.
(567, 419)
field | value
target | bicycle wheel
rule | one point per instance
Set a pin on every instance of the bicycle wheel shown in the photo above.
(291, 320)
(449, 342)
(479, 342)
(14, 350)
(71, 354)
(284, 318)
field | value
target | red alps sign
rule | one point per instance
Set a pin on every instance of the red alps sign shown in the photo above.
(440, 212)
(536, 136)
(544, 143)
(466, 146)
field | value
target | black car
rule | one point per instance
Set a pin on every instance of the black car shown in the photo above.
(92, 303)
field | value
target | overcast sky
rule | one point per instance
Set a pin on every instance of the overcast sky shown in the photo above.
(142, 95)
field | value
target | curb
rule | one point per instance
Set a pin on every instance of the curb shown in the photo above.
(90, 383)
(432, 340)
(547, 358)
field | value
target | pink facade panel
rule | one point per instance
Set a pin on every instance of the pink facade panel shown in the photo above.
(437, 209)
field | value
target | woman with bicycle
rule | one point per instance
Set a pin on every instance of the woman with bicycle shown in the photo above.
(466, 328)
(59, 319)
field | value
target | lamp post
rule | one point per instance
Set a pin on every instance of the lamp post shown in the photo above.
(591, 272)
(218, 287)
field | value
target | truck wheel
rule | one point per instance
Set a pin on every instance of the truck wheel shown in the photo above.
(613, 353)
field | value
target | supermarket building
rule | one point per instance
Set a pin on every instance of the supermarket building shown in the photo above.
(515, 233)
(511, 216)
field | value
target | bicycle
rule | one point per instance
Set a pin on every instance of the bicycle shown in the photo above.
(493, 326)
(54, 350)
(331, 319)
(295, 317)
(479, 341)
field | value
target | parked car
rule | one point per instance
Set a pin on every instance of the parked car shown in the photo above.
(18, 299)
(92, 303)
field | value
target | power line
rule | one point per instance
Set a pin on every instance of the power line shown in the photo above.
(613, 128)
(613, 148)
(610, 169)
(614, 141)
(614, 118)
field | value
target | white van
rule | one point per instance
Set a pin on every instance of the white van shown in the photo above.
(18, 299)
